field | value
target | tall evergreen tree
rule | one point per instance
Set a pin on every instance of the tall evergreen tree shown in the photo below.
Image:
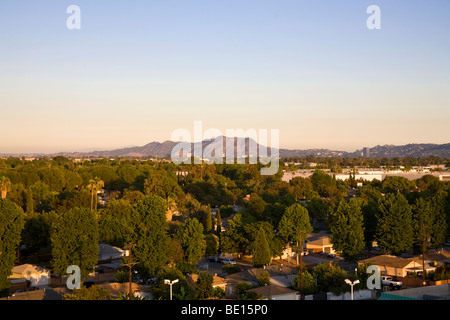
(439, 224)
(218, 224)
(422, 222)
(208, 221)
(12, 222)
(261, 250)
(394, 229)
(347, 231)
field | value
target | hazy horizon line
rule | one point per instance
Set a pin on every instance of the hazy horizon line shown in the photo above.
(112, 148)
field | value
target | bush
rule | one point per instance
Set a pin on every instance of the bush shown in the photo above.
(240, 290)
(121, 277)
(181, 290)
(204, 288)
(263, 278)
(218, 292)
(241, 287)
(331, 278)
(309, 285)
(441, 275)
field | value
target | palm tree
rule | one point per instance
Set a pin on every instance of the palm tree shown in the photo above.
(94, 186)
(5, 186)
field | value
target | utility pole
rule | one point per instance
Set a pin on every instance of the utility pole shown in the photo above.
(424, 240)
(131, 262)
(302, 296)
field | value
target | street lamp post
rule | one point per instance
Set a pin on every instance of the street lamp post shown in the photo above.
(347, 281)
(170, 283)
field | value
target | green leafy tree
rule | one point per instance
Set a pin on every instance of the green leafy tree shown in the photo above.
(251, 231)
(295, 225)
(212, 244)
(151, 234)
(30, 201)
(330, 278)
(204, 285)
(180, 290)
(393, 184)
(162, 183)
(318, 209)
(242, 294)
(192, 240)
(36, 233)
(261, 250)
(263, 278)
(394, 228)
(117, 222)
(53, 177)
(346, 227)
(309, 285)
(74, 238)
(257, 206)
(324, 184)
(12, 221)
(175, 251)
(233, 238)
(301, 187)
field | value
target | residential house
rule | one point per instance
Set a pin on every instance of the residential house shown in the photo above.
(37, 276)
(319, 242)
(398, 267)
(437, 258)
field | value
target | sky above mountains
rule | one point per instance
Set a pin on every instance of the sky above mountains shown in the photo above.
(138, 70)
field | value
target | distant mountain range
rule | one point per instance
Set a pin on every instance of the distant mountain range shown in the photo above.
(239, 146)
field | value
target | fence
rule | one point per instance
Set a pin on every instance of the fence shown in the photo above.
(414, 282)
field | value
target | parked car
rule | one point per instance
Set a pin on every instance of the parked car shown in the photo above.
(213, 259)
(227, 260)
(389, 281)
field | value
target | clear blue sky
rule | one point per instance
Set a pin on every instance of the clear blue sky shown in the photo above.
(138, 70)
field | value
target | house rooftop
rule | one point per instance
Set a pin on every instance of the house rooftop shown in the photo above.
(272, 290)
(28, 269)
(392, 261)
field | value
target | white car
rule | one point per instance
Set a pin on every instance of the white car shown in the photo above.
(389, 281)
(230, 261)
